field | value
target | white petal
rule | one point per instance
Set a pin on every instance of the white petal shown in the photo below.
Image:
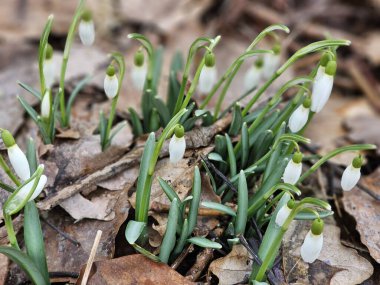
(138, 75)
(350, 177)
(311, 247)
(19, 162)
(207, 79)
(177, 147)
(252, 77)
(45, 105)
(298, 119)
(321, 70)
(321, 92)
(49, 72)
(111, 84)
(292, 172)
(282, 215)
(39, 188)
(87, 32)
(271, 63)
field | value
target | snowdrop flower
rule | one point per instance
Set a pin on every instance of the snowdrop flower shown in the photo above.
(111, 83)
(139, 71)
(46, 105)
(326, 57)
(312, 245)
(351, 174)
(16, 157)
(49, 67)
(271, 62)
(177, 145)
(253, 75)
(284, 213)
(322, 87)
(300, 116)
(208, 76)
(87, 29)
(293, 170)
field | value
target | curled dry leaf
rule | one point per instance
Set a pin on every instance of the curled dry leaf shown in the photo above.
(365, 210)
(133, 269)
(232, 268)
(336, 264)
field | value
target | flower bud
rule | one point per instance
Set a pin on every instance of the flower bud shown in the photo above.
(111, 82)
(49, 67)
(139, 58)
(271, 61)
(46, 105)
(177, 145)
(87, 29)
(312, 245)
(16, 157)
(293, 170)
(253, 75)
(207, 79)
(138, 75)
(210, 59)
(300, 116)
(351, 174)
(322, 87)
(284, 213)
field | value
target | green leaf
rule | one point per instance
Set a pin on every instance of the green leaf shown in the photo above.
(231, 156)
(117, 129)
(237, 120)
(157, 65)
(42, 51)
(305, 215)
(241, 217)
(215, 157)
(162, 110)
(169, 239)
(30, 89)
(219, 207)
(133, 231)
(170, 193)
(209, 174)
(182, 239)
(26, 263)
(137, 128)
(244, 145)
(204, 242)
(81, 84)
(29, 109)
(174, 85)
(196, 193)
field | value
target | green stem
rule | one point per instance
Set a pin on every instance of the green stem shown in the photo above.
(110, 122)
(8, 171)
(10, 231)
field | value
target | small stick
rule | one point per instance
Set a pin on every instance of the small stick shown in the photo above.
(65, 235)
(91, 257)
(256, 227)
(182, 256)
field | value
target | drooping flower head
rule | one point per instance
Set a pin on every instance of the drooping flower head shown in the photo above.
(86, 28)
(322, 87)
(16, 157)
(253, 75)
(284, 213)
(299, 117)
(46, 104)
(351, 174)
(326, 57)
(312, 245)
(293, 170)
(49, 67)
(208, 76)
(177, 145)
(139, 70)
(111, 82)
(272, 61)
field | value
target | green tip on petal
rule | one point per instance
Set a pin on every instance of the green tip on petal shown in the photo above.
(49, 51)
(326, 57)
(317, 226)
(331, 68)
(139, 58)
(297, 157)
(179, 131)
(86, 16)
(8, 139)
(357, 162)
(307, 102)
(210, 59)
(110, 70)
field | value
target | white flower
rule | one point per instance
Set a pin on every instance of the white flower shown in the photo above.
(282, 215)
(252, 77)
(311, 247)
(207, 79)
(298, 119)
(321, 91)
(177, 147)
(271, 63)
(350, 177)
(292, 172)
(111, 84)
(19, 162)
(87, 32)
(321, 70)
(138, 75)
(49, 72)
(45, 105)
